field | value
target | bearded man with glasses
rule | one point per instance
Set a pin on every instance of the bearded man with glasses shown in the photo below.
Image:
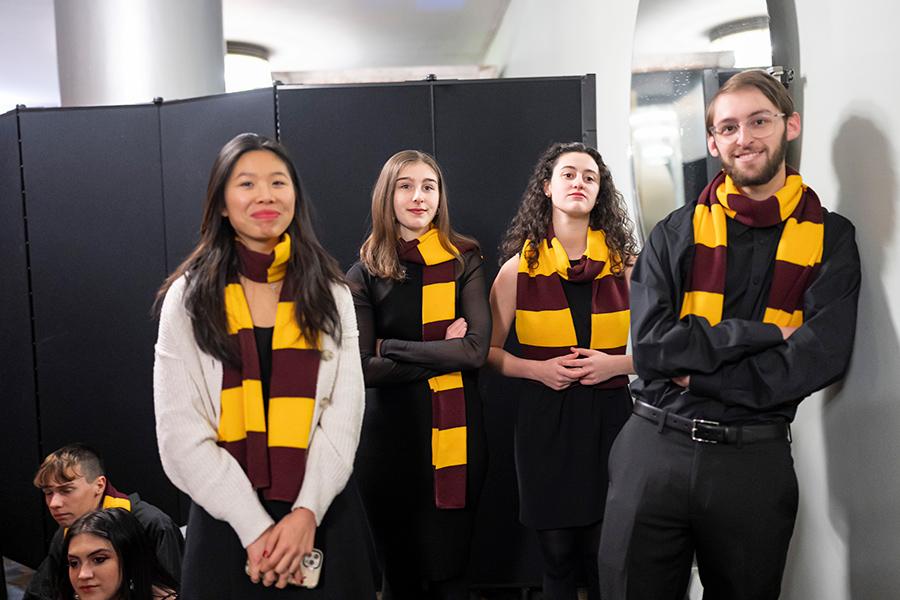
(742, 304)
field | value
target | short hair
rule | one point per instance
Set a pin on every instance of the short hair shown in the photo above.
(68, 463)
(757, 79)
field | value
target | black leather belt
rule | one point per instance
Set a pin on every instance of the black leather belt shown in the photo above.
(712, 432)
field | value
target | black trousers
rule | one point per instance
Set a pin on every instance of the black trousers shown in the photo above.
(671, 498)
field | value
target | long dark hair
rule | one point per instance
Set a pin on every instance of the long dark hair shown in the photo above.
(140, 568)
(533, 219)
(379, 252)
(311, 270)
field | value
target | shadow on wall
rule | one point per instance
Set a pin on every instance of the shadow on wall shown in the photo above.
(861, 417)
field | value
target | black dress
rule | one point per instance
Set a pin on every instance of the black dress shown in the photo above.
(563, 438)
(214, 558)
(393, 463)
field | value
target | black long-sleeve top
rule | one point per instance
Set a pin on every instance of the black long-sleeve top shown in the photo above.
(403, 360)
(741, 370)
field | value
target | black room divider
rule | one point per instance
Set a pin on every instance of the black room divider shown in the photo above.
(98, 204)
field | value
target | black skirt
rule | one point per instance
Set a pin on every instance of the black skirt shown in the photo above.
(214, 559)
(562, 443)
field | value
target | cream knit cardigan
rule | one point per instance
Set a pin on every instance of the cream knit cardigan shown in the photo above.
(187, 384)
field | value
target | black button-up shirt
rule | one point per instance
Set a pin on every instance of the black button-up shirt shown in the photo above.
(742, 371)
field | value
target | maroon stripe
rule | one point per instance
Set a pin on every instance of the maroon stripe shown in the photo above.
(541, 352)
(585, 269)
(448, 409)
(789, 282)
(755, 213)
(254, 265)
(258, 459)
(541, 292)
(436, 330)
(238, 451)
(112, 492)
(809, 209)
(231, 378)
(619, 381)
(409, 251)
(708, 195)
(444, 272)
(708, 270)
(249, 356)
(294, 373)
(609, 294)
(450, 487)
(620, 351)
(288, 469)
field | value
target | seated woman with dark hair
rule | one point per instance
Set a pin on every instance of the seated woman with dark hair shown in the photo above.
(108, 557)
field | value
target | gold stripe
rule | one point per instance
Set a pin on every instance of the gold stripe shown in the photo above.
(236, 309)
(110, 502)
(703, 304)
(278, 268)
(610, 330)
(782, 318)
(801, 243)
(789, 196)
(231, 420)
(544, 266)
(290, 420)
(597, 250)
(447, 381)
(438, 302)
(547, 328)
(448, 447)
(287, 334)
(433, 253)
(710, 226)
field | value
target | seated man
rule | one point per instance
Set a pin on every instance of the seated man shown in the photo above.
(74, 483)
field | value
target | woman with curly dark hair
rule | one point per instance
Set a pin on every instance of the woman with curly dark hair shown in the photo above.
(564, 278)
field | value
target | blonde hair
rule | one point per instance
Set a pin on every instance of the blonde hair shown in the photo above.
(379, 252)
(69, 463)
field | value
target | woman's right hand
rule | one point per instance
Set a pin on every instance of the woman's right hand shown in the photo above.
(456, 329)
(255, 555)
(553, 373)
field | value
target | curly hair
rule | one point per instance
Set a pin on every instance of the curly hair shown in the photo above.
(533, 219)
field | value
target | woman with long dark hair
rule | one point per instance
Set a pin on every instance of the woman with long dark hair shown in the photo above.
(108, 557)
(565, 261)
(424, 323)
(259, 392)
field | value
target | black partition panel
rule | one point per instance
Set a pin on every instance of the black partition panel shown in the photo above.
(192, 132)
(94, 201)
(21, 505)
(339, 138)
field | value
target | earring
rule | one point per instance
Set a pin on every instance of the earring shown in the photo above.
(131, 584)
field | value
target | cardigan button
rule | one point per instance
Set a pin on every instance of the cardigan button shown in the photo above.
(327, 354)
(325, 401)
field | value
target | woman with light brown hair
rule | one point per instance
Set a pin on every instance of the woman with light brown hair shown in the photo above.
(424, 327)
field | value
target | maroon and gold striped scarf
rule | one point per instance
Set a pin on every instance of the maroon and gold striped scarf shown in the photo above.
(448, 401)
(270, 443)
(544, 322)
(797, 257)
(113, 498)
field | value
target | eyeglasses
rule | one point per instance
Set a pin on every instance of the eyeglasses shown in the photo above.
(759, 126)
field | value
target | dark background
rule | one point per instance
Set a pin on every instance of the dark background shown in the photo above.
(98, 205)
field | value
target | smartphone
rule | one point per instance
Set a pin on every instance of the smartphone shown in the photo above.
(310, 568)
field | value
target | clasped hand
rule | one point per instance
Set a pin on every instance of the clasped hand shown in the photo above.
(583, 365)
(276, 555)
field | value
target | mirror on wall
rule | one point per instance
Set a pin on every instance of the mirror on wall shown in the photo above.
(681, 50)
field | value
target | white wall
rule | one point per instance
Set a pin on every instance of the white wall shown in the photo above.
(846, 440)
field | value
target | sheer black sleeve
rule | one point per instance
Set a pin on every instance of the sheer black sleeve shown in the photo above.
(817, 354)
(460, 354)
(377, 370)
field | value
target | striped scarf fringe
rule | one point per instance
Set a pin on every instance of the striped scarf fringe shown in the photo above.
(269, 440)
(448, 401)
(797, 257)
(544, 324)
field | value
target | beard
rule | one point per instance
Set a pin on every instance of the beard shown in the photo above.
(765, 174)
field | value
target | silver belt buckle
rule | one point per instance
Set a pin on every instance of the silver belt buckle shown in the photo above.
(697, 426)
